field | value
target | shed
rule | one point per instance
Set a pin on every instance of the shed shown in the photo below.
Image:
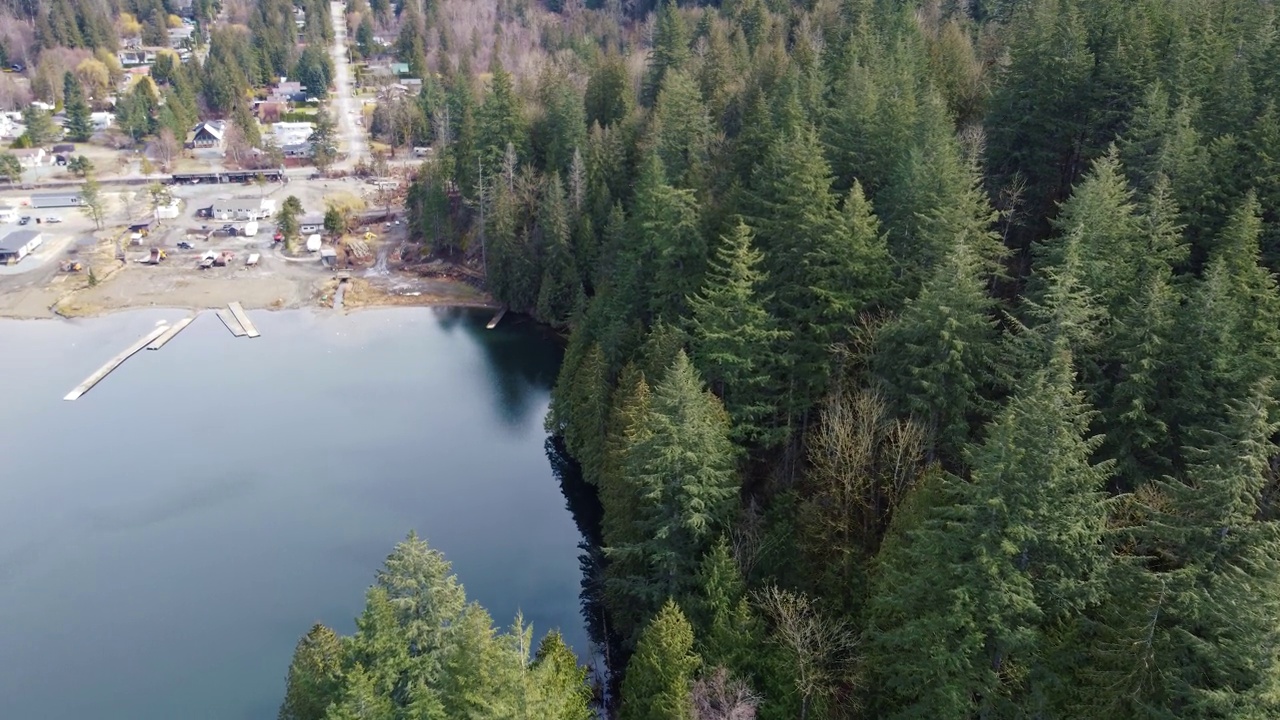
(56, 200)
(328, 257)
(17, 245)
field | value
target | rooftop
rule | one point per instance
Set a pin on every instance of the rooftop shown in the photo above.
(17, 239)
(241, 204)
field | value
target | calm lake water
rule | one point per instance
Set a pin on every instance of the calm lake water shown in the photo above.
(165, 539)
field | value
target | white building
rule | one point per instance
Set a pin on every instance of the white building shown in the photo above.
(30, 157)
(19, 244)
(102, 120)
(311, 223)
(8, 213)
(243, 209)
(292, 133)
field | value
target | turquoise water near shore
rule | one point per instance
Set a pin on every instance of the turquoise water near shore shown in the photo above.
(165, 539)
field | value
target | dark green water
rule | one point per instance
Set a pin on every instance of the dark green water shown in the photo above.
(165, 539)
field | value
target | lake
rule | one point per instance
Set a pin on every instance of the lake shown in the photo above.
(167, 538)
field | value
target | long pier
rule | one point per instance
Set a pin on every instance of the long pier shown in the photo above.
(232, 324)
(496, 319)
(115, 362)
(168, 335)
(243, 319)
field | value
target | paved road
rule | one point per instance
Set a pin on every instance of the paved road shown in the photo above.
(344, 103)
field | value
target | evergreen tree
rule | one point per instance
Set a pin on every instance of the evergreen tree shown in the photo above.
(40, 127)
(79, 125)
(670, 49)
(682, 468)
(1190, 630)
(734, 339)
(324, 142)
(681, 129)
(665, 245)
(937, 358)
(609, 94)
(315, 676)
(560, 293)
(501, 122)
(817, 280)
(979, 571)
(661, 671)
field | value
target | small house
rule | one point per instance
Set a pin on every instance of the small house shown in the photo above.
(311, 223)
(30, 157)
(17, 245)
(64, 148)
(287, 91)
(297, 150)
(8, 213)
(243, 209)
(207, 135)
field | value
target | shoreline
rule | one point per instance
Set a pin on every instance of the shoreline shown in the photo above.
(123, 287)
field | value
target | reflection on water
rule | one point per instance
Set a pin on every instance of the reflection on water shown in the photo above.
(166, 539)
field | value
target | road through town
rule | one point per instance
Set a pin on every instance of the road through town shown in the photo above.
(344, 104)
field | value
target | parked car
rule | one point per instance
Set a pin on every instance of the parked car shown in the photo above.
(53, 219)
(184, 245)
(229, 228)
(24, 220)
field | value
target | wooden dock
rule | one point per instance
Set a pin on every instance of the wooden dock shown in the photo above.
(232, 324)
(115, 362)
(496, 319)
(243, 319)
(168, 335)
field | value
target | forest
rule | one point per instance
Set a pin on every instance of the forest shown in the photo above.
(921, 357)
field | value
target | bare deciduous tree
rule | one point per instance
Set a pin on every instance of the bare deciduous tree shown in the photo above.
(721, 697)
(862, 461)
(238, 150)
(820, 648)
(165, 147)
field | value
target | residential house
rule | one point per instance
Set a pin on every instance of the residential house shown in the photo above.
(311, 223)
(287, 91)
(207, 134)
(291, 133)
(181, 34)
(30, 157)
(243, 209)
(19, 244)
(133, 57)
(297, 150)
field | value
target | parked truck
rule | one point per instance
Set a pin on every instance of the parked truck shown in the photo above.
(251, 228)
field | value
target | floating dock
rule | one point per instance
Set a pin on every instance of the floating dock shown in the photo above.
(168, 335)
(496, 319)
(115, 362)
(243, 319)
(232, 324)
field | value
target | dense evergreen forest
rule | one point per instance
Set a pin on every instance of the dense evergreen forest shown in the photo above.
(921, 356)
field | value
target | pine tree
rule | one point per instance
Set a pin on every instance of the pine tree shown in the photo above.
(315, 676)
(361, 699)
(729, 631)
(660, 673)
(501, 122)
(1102, 215)
(976, 572)
(79, 126)
(559, 683)
(1191, 631)
(937, 358)
(734, 340)
(560, 293)
(670, 49)
(664, 243)
(682, 129)
(682, 469)
(609, 94)
(803, 235)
